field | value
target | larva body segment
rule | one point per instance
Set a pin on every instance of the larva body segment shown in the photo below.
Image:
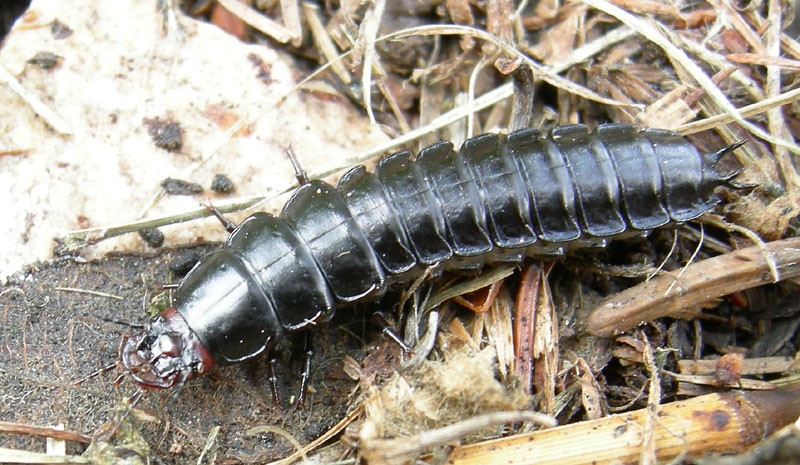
(497, 200)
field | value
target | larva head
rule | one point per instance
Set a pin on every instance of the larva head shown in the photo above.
(166, 354)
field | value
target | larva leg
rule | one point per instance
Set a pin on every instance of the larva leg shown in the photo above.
(301, 398)
(386, 328)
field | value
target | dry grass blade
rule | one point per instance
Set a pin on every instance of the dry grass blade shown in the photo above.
(650, 440)
(748, 111)
(369, 29)
(47, 114)
(257, 20)
(386, 450)
(499, 331)
(336, 429)
(291, 19)
(484, 101)
(21, 456)
(763, 60)
(485, 279)
(74, 240)
(590, 49)
(209, 444)
(324, 43)
(481, 300)
(591, 392)
(753, 384)
(526, 305)
(545, 345)
(755, 366)
(86, 291)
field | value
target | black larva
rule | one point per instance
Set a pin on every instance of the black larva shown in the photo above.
(497, 200)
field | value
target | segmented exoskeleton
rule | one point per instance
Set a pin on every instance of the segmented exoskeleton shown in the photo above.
(497, 200)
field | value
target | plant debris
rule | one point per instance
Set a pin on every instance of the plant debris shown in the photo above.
(174, 186)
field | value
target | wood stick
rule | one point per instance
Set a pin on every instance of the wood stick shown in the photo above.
(715, 423)
(700, 282)
(44, 431)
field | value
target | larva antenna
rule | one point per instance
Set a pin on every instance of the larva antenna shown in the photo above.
(95, 374)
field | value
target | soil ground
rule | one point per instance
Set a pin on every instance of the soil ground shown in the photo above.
(50, 337)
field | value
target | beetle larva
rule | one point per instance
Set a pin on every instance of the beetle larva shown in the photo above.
(497, 200)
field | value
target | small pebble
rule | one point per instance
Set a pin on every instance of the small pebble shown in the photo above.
(166, 134)
(44, 60)
(60, 30)
(221, 184)
(152, 236)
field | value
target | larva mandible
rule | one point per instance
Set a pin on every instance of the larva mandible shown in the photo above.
(497, 200)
